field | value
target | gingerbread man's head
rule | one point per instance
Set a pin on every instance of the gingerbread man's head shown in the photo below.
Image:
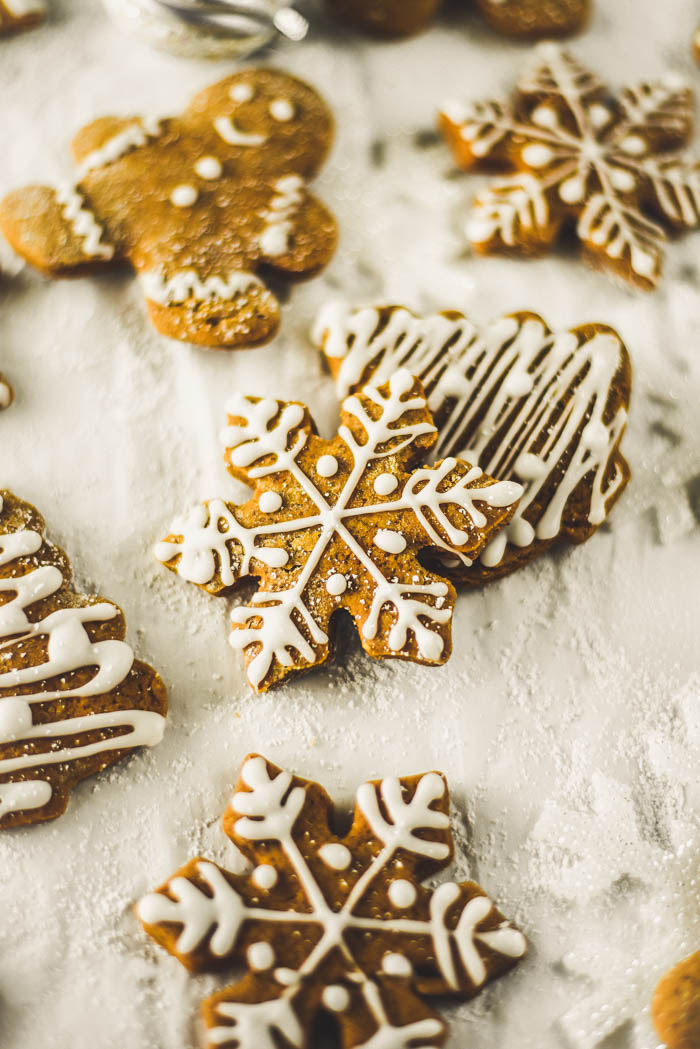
(200, 204)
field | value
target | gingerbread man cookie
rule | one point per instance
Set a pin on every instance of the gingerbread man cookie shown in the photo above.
(609, 166)
(521, 402)
(338, 525)
(528, 18)
(73, 700)
(201, 205)
(340, 926)
(675, 1009)
(17, 15)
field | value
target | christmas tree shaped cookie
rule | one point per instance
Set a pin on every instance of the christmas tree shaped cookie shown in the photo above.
(340, 926)
(73, 700)
(338, 525)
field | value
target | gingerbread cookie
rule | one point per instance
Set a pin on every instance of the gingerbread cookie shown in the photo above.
(7, 394)
(200, 205)
(536, 18)
(329, 925)
(72, 698)
(517, 400)
(385, 18)
(17, 15)
(529, 18)
(675, 1009)
(611, 167)
(338, 525)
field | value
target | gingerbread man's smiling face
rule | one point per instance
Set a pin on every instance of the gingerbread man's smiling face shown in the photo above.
(263, 118)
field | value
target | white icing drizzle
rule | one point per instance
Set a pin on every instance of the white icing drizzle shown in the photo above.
(228, 130)
(474, 382)
(269, 811)
(279, 224)
(68, 649)
(75, 211)
(132, 137)
(184, 285)
(599, 163)
(271, 433)
(83, 223)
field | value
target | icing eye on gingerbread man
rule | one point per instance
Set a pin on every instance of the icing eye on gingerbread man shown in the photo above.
(201, 205)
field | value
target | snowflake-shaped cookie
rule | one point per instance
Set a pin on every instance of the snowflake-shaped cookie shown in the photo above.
(612, 166)
(323, 924)
(202, 205)
(338, 525)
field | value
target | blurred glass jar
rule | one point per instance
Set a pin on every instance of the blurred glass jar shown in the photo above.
(209, 28)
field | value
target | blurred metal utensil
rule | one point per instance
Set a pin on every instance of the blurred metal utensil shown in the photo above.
(210, 28)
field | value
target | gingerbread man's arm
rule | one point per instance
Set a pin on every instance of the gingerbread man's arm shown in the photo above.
(56, 230)
(299, 235)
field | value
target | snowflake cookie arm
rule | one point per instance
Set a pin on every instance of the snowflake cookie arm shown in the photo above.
(480, 133)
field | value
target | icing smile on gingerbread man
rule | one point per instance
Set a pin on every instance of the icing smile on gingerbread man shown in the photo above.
(199, 204)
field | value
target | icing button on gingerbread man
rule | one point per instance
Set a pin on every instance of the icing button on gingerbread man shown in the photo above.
(202, 206)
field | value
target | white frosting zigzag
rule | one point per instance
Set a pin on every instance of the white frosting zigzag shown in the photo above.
(68, 649)
(475, 382)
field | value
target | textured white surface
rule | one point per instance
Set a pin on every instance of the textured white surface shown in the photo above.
(567, 721)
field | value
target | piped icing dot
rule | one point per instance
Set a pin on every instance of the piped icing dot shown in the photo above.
(242, 92)
(389, 541)
(327, 466)
(184, 196)
(545, 116)
(336, 584)
(396, 965)
(335, 856)
(633, 145)
(281, 109)
(209, 167)
(269, 502)
(537, 155)
(336, 998)
(385, 484)
(261, 956)
(264, 877)
(402, 893)
(622, 180)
